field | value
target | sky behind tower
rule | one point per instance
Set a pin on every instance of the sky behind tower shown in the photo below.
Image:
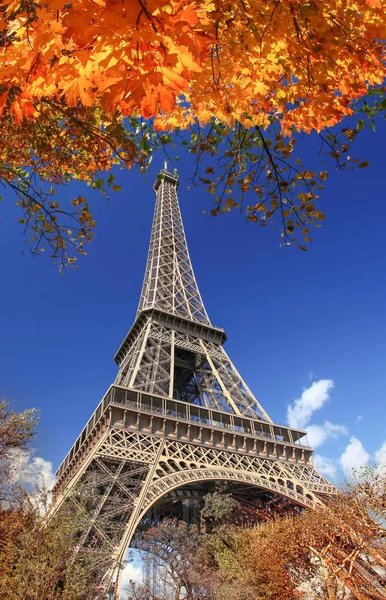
(306, 330)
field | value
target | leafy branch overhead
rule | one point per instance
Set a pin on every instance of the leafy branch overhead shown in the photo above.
(93, 83)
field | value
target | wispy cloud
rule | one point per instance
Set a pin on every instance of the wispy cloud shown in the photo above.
(32, 471)
(325, 466)
(318, 434)
(354, 456)
(380, 458)
(130, 573)
(299, 413)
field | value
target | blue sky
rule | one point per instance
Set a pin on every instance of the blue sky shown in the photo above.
(294, 320)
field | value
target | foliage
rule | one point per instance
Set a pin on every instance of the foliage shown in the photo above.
(335, 552)
(58, 145)
(218, 508)
(93, 83)
(174, 550)
(342, 543)
(16, 431)
(38, 557)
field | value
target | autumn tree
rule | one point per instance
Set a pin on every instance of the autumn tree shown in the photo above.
(16, 432)
(172, 551)
(39, 559)
(333, 552)
(93, 83)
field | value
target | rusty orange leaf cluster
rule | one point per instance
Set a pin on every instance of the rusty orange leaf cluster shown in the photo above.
(302, 62)
(73, 74)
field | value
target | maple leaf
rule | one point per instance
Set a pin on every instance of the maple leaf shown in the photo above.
(17, 110)
(189, 14)
(3, 100)
(166, 99)
(176, 81)
(12, 7)
(81, 89)
(114, 96)
(148, 105)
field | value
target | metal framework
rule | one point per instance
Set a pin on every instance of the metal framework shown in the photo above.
(178, 413)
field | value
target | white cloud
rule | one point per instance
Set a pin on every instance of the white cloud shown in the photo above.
(129, 573)
(318, 434)
(32, 470)
(380, 459)
(380, 455)
(312, 399)
(325, 466)
(354, 457)
(358, 419)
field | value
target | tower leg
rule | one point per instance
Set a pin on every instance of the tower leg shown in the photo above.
(121, 549)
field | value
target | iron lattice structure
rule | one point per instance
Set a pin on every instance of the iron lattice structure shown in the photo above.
(178, 414)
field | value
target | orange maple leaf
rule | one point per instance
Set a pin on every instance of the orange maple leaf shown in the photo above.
(3, 100)
(81, 89)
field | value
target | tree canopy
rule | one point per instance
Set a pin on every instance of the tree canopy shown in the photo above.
(335, 552)
(16, 432)
(93, 83)
(40, 559)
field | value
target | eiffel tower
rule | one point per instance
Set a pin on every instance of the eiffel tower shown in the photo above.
(179, 416)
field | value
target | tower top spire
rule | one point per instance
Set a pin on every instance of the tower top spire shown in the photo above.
(169, 283)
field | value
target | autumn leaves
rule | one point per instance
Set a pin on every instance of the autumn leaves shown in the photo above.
(93, 83)
(233, 60)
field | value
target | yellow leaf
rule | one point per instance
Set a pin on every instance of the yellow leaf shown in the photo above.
(231, 203)
(12, 7)
(280, 93)
(80, 89)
